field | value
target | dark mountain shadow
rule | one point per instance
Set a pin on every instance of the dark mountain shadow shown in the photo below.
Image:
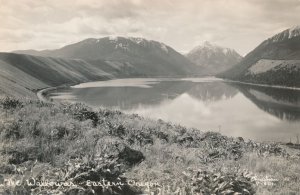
(282, 103)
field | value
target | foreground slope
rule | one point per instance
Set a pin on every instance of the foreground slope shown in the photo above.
(276, 61)
(213, 58)
(145, 57)
(72, 144)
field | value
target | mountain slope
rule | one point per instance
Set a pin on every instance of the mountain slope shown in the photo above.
(213, 58)
(277, 60)
(145, 57)
(20, 74)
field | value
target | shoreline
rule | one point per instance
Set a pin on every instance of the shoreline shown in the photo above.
(260, 85)
(40, 92)
(43, 96)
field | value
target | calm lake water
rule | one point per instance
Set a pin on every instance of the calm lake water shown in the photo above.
(208, 104)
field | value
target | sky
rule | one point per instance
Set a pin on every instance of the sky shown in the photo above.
(181, 24)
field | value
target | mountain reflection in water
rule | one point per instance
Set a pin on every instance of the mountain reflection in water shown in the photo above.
(282, 103)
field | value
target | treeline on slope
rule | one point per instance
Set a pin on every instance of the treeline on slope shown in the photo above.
(281, 77)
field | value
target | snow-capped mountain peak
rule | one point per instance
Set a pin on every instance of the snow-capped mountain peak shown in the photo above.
(136, 40)
(205, 44)
(213, 57)
(211, 47)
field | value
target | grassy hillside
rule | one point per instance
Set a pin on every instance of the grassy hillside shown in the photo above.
(73, 144)
(20, 74)
(12, 89)
(16, 83)
(54, 71)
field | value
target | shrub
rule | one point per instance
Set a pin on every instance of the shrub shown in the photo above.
(10, 103)
(85, 114)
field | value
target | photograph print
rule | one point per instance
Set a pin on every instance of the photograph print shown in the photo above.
(140, 97)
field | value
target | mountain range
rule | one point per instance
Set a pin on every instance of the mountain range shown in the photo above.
(138, 56)
(213, 58)
(276, 61)
(23, 72)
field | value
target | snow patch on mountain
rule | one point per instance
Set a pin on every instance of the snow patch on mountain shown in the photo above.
(286, 34)
(205, 45)
(113, 38)
(265, 65)
(122, 46)
(294, 32)
(225, 50)
(164, 47)
(137, 40)
(119, 41)
(143, 42)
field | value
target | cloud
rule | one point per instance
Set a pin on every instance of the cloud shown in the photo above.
(48, 24)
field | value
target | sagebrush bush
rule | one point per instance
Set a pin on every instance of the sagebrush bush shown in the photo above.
(10, 103)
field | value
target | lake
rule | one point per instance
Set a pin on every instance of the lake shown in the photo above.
(208, 104)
